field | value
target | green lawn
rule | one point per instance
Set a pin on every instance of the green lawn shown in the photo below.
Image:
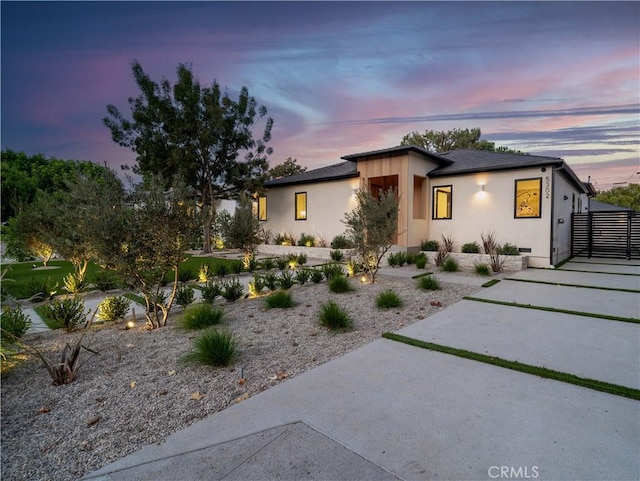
(22, 280)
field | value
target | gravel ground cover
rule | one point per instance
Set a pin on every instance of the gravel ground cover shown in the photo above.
(137, 391)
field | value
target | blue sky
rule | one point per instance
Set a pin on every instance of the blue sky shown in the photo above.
(551, 78)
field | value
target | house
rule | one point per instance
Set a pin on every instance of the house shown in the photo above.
(525, 200)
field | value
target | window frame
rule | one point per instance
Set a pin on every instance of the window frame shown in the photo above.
(434, 201)
(515, 198)
(303, 195)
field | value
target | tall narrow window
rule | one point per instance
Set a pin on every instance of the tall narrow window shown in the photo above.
(301, 206)
(419, 197)
(262, 208)
(442, 202)
(527, 198)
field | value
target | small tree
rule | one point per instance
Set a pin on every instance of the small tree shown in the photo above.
(145, 239)
(372, 226)
(243, 230)
(28, 232)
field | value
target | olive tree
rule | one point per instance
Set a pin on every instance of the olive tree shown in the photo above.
(144, 238)
(372, 226)
(243, 229)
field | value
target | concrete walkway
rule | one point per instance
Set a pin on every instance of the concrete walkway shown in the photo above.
(389, 410)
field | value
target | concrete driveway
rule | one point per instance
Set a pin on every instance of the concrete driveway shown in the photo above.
(393, 411)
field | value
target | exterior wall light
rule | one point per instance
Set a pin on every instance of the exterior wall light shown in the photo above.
(481, 188)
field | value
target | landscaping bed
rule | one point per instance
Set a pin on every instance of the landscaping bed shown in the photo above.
(136, 391)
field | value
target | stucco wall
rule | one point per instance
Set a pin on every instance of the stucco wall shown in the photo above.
(327, 203)
(492, 210)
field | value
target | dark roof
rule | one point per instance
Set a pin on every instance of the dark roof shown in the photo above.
(598, 206)
(343, 170)
(466, 161)
(400, 149)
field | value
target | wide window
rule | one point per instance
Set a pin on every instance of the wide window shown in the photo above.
(262, 208)
(442, 202)
(301, 206)
(527, 198)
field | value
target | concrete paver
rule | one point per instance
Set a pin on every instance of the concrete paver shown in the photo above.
(418, 414)
(587, 347)
(595, 301)
(632, 267)
(426, 415)
(612, 281)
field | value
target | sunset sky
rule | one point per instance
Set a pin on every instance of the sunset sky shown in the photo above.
(559, 78)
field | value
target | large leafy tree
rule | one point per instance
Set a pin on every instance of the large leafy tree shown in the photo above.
(287, 168)
(624, 196)
(445, 140)
(372, 226)
(23, 176)
(198, 132)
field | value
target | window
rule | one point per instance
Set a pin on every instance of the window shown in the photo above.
(419, 197)
(301, 206)
(527, 198)
(442, 202)
(262, 208)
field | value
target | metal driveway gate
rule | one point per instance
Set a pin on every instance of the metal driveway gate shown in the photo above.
(606, 234)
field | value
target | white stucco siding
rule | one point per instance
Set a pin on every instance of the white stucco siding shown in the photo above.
(475, 211)
(327, 203)
(567, 199)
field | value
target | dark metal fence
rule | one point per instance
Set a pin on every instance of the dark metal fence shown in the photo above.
(606, 234)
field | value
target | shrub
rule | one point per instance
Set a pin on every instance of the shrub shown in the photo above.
(482, 269)
(15, 322)
(204, 273)
(279, 299)
(213, 347)
(200, 316)
(302, 276)
(332, 270)
(73, 284)
(341, 242)
(306, 240)
(256, 286)
(444, 249)
(282, 262)
(236, 266)
(334, 317)
(302, 259)
(316, 276)
(185, 296)
(340, 284)
(250, 263)
(421, 261)
(286, 281)
(429, 245)
(450, 265)
(492, 248)
(268, 263)
(470, 248)
(104, 281)
(429, 283)
(68, 312)
(292, 261)
(271, 281)
(388, 299)
(222, 269)
(392, 259)
(186, 275)
(353, 267)
(509, 250)
(232, 290)
(336, 255)
(113, 308)
(284, 240)
(210, 291)
(410, 258)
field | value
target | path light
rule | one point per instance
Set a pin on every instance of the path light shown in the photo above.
(130, 325)
(363, 279)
